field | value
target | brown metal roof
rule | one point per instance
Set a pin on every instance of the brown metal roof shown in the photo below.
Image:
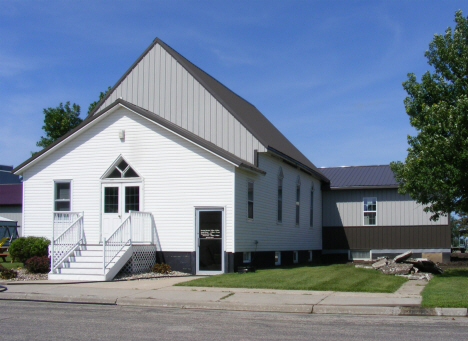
(360, 176)
(242, 110)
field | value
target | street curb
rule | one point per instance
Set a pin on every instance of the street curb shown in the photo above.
(301, 309)
(58, 299)
(304, 309)
(355, 310)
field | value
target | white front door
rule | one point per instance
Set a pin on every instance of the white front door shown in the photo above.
(118, 199)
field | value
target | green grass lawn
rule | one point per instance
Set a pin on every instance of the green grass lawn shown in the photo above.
(10, 265)
(449, 290)
(338, 277)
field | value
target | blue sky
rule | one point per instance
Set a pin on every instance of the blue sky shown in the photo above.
(328, 74)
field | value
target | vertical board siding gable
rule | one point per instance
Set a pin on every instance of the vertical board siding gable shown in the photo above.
(181, 99)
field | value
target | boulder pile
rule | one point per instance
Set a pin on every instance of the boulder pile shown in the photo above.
(404, 265)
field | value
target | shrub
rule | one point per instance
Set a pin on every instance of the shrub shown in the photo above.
(161, 268)
(22, 248)
(38, 265)
(8, 274)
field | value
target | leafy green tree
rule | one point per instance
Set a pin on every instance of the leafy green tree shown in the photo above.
(458, 227)
(101, 96)
(59, 121)
(435, 172)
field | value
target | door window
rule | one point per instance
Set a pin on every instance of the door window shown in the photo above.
(111, 200)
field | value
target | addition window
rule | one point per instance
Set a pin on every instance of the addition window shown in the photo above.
(311, 223)
(250, 200)
(370, 211)
(280, 196)
(247, 257)
(62, 198)
(298, 199)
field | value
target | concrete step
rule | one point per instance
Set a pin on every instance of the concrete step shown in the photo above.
(75, 277)
(80, 271)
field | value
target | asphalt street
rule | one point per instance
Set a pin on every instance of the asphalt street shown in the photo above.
(23, 320)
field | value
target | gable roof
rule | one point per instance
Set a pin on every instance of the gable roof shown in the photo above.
(247, 114)
(262, 129)
(379, 176)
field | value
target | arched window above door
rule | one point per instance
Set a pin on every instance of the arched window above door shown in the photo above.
(120, 169)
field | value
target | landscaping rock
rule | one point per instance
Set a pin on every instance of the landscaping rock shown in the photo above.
(397, 269)
(404, 256)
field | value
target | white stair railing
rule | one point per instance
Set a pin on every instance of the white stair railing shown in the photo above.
(142, 227)
(117, 241)
(68, 238)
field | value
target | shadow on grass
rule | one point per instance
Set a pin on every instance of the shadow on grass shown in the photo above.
(454, 273)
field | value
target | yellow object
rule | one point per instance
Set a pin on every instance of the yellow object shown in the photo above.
(3, 240)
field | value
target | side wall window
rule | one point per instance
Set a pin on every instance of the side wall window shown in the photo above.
(298, 199)
(370, 211)
(250, 200)
(312, 206)
(62, 196)
(280, 196)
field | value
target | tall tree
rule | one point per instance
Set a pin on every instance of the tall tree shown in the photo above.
(101, 96)
(435, 172)
(59, 121)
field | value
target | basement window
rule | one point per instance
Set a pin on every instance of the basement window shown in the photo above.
(295, 257)
(277, 258)
(247, 257)
(359, 255)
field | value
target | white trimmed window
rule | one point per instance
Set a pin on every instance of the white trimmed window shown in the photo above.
(277, 258)
(370, 211)
(62, 195)
(280, 196)
(311, 222)
(247, 257)
(295, 257)
(250, 200)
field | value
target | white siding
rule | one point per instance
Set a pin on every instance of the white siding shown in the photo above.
(345, 208)
(271, 235)
(13, 212)
(161, 85)
(178, 176)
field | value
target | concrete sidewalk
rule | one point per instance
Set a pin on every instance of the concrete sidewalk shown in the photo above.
(161, 293)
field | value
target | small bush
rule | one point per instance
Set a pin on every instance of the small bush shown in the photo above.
(161, 268)
(21, 249)
(38, 265)
(8, 274)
